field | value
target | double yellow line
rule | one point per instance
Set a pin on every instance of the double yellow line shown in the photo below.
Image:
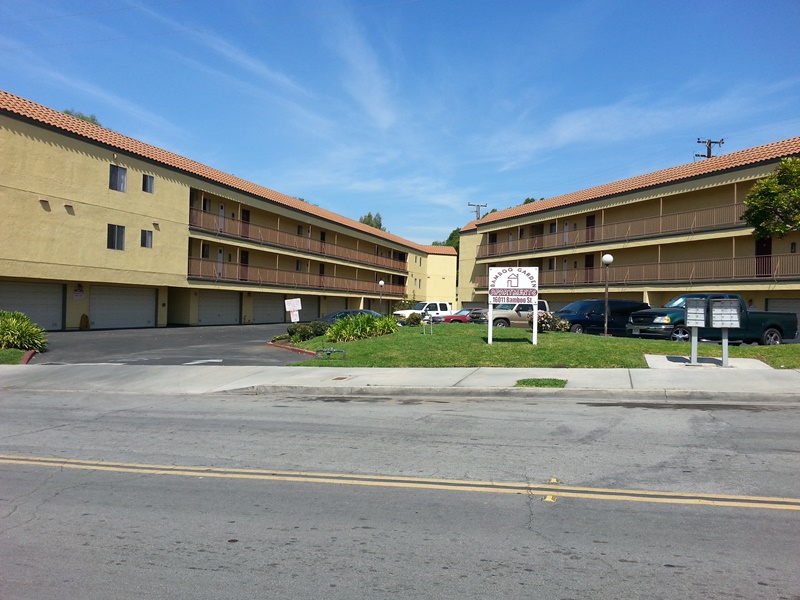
(550, 492)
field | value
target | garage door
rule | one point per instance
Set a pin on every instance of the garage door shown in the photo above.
(117, 307)
(268, 308)
(219, 308)
(310, 310)
(43, 303)
(334, 304)
(784, 305)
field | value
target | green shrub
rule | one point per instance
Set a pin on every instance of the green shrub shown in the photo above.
(18, 331)
(413, 319)
(319, 328)
(359, 327)
(300, 332)
(281, 337)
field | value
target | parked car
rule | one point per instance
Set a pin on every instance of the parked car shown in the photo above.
(479, 316)
(669, 323)
(343, 314)
(514, 315)
(431, 309)
(588, 316)
(461, 316)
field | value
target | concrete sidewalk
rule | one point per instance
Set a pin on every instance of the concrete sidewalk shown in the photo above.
(667, 378)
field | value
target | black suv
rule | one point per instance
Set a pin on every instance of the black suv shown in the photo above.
(588, 316)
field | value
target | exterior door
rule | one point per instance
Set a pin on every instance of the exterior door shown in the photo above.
(221, 218)
(588, 264)
(764, 257)
(244, 261)
(220, 261)
(245, 223)
(590, 228)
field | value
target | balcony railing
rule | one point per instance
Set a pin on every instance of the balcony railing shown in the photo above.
(203, 268)
(754, 268)
(268, 236)
(708, 219)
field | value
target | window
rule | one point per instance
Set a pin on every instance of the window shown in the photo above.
(300, 230)
(117, 179)
(551, 264)
(148, 183)
(205, 251)
(147, 238)
(297, 265)
(116, 237)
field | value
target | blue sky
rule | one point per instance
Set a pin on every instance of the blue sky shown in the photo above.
(416, 108)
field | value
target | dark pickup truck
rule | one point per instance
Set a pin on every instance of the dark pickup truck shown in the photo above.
(669, 323)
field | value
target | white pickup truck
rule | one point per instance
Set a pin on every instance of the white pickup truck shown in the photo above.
(432, 309)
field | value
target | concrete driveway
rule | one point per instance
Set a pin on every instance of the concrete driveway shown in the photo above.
(223, 345)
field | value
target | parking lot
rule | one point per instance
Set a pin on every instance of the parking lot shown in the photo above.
(225, 345)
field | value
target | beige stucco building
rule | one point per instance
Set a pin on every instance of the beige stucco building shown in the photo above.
(669, 232)
(102, 231)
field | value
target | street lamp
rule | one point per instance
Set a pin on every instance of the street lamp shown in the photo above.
(607, 260)
(380, 304)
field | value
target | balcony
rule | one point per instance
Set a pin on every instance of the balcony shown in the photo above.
(709, 219)
(267, 236)
(752, 269)
(211, 270)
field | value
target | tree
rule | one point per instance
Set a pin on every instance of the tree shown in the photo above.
(452, 240)
(79, 115)
(375, 221)
(773, 203)
(529, 200)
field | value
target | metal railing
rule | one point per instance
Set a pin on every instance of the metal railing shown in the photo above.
(268, 236)
(708, 219)
(203, 268)
(770, 268)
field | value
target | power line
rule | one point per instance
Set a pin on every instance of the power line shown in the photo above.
(477, 209)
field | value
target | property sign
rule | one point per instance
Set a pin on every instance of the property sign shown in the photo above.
(513, 285)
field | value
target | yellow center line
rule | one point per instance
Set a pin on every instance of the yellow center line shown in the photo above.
(545, 490)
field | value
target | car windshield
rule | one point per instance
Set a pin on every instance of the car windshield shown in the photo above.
(464, 311)
(419, 305)
(504, 306)
(579, 307)
(679, 302)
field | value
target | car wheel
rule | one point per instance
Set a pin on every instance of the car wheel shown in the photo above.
(577, 328)
(680, 334)
(501, 323)
(771, 337)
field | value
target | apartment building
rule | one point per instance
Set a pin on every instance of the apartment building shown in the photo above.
(669, 232)
(102, 231)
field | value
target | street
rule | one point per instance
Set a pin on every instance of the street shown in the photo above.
(285, 496)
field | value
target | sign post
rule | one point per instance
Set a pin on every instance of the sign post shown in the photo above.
(515, 285)
(294, 306)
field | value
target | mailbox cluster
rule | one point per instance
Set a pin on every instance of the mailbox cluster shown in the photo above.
(723, 313)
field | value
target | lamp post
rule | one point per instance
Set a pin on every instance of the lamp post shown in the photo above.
(380, 304)
(607, 260)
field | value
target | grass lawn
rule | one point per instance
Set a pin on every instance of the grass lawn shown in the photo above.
(466, 346)
(11, 356)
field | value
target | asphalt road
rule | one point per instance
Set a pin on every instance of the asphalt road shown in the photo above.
(141, 496)
(224, 345)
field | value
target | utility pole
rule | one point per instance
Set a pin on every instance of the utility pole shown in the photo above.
(708, 144)
(477, 209)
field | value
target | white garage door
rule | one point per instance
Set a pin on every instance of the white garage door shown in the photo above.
(268, 308)
(784, 305)
(43, 303)
(117, 307)
(219, 308)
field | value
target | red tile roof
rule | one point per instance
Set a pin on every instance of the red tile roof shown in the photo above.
(15, 105)
(707, 166)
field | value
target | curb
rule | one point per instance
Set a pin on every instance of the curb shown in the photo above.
(292, 349)
(598, 396)
(28, 356)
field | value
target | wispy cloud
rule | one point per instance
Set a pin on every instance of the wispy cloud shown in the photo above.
(363, 78)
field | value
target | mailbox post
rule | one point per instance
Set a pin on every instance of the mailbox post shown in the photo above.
(725, 314)
(696, 309)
